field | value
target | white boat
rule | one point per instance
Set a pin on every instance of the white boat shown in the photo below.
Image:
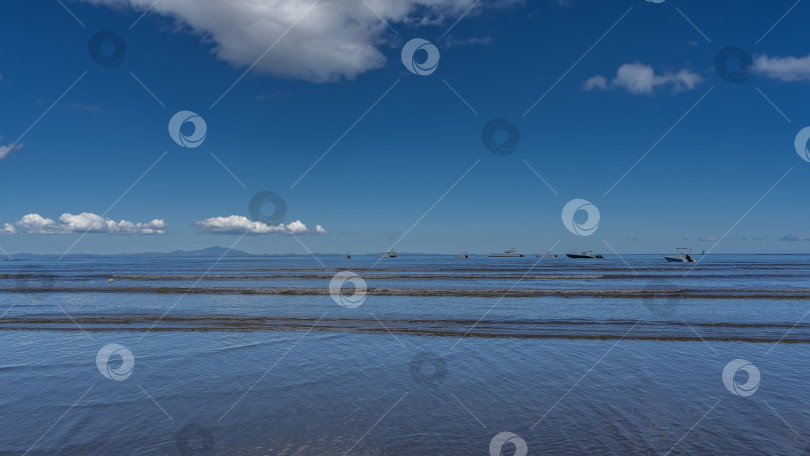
(348, 256)
(682, 256)
(506, 254)
(545, 255)
(389, 254)
(462, 255)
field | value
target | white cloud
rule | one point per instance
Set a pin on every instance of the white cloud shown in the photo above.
(336, 39)
(595, 82)
(787, 69)
(85, 222)
(5, 150)
(237, 224)
(640, 79)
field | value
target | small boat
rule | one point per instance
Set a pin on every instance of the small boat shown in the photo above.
(545, 255)
(584, 254)
(506, 254)
(682, 256)
(462, 255)
(389, 254)
(348, 256)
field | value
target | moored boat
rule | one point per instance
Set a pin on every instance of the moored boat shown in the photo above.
(462, 255)
(682, 256)
(506, 254)
(389, 254)
(585, 254)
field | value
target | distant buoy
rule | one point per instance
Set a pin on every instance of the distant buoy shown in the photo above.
(110, 280)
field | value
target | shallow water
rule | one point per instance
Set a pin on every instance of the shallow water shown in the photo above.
(619, 359)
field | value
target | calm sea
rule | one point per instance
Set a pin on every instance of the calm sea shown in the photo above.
(411, 355)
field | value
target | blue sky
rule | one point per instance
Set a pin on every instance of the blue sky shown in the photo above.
(603, 108)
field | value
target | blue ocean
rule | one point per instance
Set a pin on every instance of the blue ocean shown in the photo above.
(419, 354)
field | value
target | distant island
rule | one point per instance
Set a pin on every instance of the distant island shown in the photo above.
(215, 251)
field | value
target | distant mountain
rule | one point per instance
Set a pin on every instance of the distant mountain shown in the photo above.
(215, 251)
(210, 251)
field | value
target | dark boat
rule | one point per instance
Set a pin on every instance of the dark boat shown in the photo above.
(584, 254)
